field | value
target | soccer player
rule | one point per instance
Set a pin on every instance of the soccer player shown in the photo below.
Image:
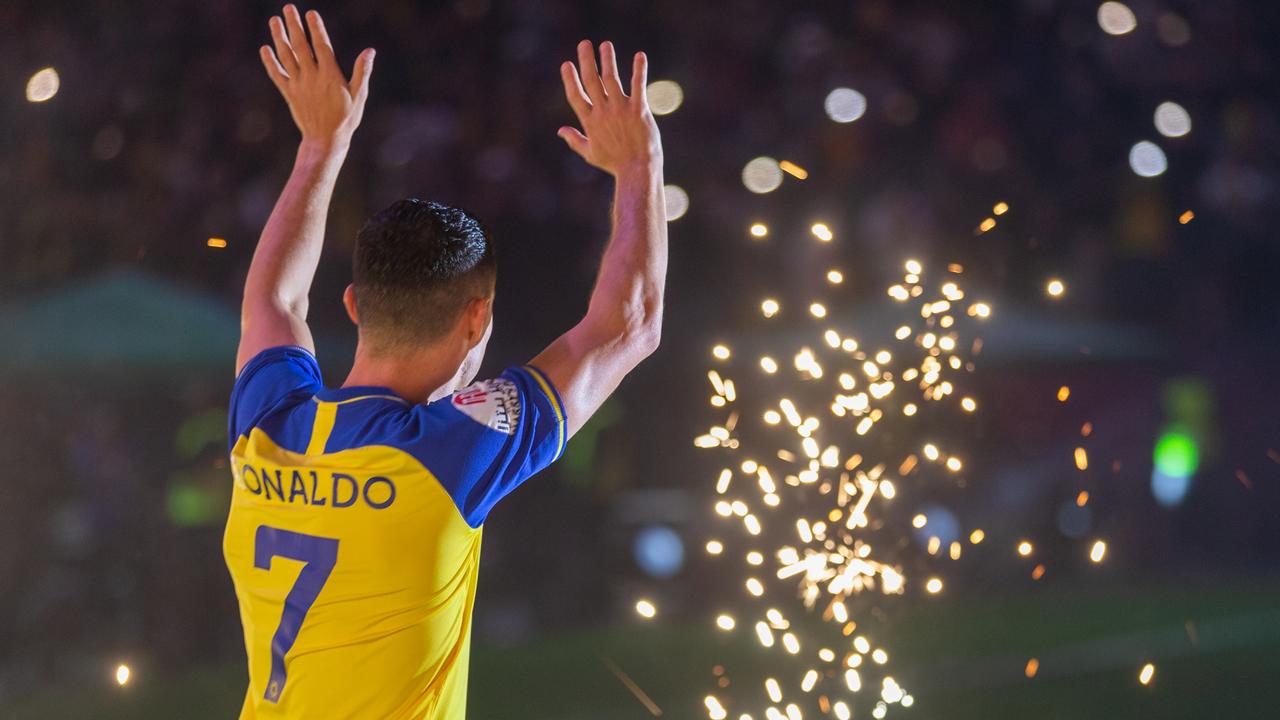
(353, 538)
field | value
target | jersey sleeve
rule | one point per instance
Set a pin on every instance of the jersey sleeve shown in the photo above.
(486, 439)
(274, 376)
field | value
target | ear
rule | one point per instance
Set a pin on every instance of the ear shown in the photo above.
(476, 319)
(349, 302)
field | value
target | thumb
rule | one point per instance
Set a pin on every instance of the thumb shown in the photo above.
(576, 141)
(359, 86)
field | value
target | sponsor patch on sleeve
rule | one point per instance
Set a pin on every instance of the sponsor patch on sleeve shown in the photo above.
(492, 403)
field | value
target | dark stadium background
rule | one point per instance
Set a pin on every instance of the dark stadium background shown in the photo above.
(119, 324)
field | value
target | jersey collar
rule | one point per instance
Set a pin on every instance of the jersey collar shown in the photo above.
(356, 392)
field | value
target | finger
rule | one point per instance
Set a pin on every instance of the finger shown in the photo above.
(274, 71)
(609, 67)
(284, 51)
(298, 38)
(589, 73)
(360, 74)
(576, 141)
(320, 41)
(640, 77)
(573, 91)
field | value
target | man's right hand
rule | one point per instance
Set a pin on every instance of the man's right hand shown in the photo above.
(325, 105)
(620, 131)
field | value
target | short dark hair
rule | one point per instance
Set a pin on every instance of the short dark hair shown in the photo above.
(417, 264)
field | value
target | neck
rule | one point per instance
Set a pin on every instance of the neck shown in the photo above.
(418, 376)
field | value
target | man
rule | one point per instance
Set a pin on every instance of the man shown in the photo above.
(353, 538)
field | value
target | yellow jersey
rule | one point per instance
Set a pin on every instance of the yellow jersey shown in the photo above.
(353, 539)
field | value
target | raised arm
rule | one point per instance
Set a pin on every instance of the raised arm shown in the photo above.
(327, 108)
(623, 322)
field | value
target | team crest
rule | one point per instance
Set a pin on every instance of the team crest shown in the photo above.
(493, 403)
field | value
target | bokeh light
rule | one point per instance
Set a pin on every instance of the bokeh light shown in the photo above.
(1173, 30)
(43, 85)
(677, 202)
(1055, 289)
(1172, 120)
(1147, 159)
(762, 175)
(123, 673)
(759, 230)
(1098, 552)
(1177, 454)
(659, 551)
(793, 170)
(665, 96)
(646, 609)
(844, 105)
(1115, 18)
(1169, 490)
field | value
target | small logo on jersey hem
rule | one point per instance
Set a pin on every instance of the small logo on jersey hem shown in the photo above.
(492, 403)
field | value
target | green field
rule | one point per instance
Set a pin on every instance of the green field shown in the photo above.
(1216, 649)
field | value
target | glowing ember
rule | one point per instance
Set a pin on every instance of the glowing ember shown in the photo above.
(1098, 551)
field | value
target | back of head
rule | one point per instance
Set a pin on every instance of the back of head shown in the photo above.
(417, 264)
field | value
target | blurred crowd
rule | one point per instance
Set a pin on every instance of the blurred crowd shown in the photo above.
(166, 132)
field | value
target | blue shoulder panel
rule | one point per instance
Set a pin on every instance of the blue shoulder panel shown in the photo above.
(276, 379)
(483, 441)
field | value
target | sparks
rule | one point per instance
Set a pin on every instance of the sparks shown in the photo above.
(825, 505)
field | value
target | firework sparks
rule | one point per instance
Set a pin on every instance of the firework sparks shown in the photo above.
(824, 510)
(635, 690)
